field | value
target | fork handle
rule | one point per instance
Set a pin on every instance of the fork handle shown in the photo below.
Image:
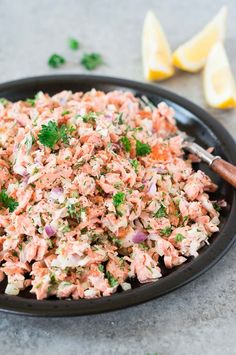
(226, 170)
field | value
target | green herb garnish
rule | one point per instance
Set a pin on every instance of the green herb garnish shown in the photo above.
(120, 118)
(91, 61)
(112, 281)
(56, 61)
(101, 268)
(217, 207)
(3, 101)
(126, 144)
(134, 164)
(7, 202)
(31, 102)
(65, 113)
(166, 231)
(89, 118)
(73, 44)
(142, 149)
(161, 212)
(51, 134)
(179, 237)
(118, 199)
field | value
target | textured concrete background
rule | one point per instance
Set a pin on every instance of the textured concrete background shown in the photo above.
(200, 318)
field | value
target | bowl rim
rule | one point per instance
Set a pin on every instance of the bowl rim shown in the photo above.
(180, 277)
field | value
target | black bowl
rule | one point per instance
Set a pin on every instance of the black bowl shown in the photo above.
(191, 118)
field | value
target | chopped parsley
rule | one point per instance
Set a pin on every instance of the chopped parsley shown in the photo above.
(7, 202)
(166, 231)
(56, 61)
(134, 164)
(73, 44)
(89, 118)
(118, 199)
(217, 207)
(101, 268)
(66, 229)
(31, 102)
(65, 113)
(91, 61)
(120, 118)
(3, 101)
(185, 218)
(126, 144)
(115, 241)
(112, 281)
(75, 211)
(51, 134)
(142, 149)
(179, 237)
(161, 212)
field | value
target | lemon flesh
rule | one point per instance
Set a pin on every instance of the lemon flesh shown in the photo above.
(219, 84)
(191, 56)
(156, 52)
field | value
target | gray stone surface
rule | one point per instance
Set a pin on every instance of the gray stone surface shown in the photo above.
(199, 318)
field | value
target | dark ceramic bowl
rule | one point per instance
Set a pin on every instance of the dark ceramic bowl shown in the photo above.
(191, 118)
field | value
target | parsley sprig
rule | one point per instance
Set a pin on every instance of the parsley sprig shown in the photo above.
(118, 199)
(126, 144)
(112, 281)
(73, 44)
(91, 61)
(56, 61)
(166, 231)
(161, 212)
(51, 134)
(179, 237)
(142, 149)
(7, 202)
(135, 164)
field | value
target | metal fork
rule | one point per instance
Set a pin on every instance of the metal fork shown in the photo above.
(220, 166)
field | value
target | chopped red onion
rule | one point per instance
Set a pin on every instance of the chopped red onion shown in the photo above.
(152, 189)
(49, 230)
(139, 237)
(57, 193)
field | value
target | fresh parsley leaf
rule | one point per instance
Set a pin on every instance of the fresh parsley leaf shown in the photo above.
(7, 202)
(73, 44)
(118, 198)
(51, 133)
(179, 237)
(185, 218)
(135, 164)
(142, 149)
(89, 118)
(53, 278)
(161, 212)
(166, 231)
(91, 61)
(115, 241)
(126, 144)
(3, 101)
(217, 207)
(65, 113)
(112, 281)
(56, 61)
(31, 102)
(120, 118)
(101, 268)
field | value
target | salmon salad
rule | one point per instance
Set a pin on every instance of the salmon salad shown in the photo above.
(95, 192)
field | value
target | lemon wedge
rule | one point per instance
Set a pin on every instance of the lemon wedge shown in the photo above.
(156, 52)
(218, 81)
(191, 56)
